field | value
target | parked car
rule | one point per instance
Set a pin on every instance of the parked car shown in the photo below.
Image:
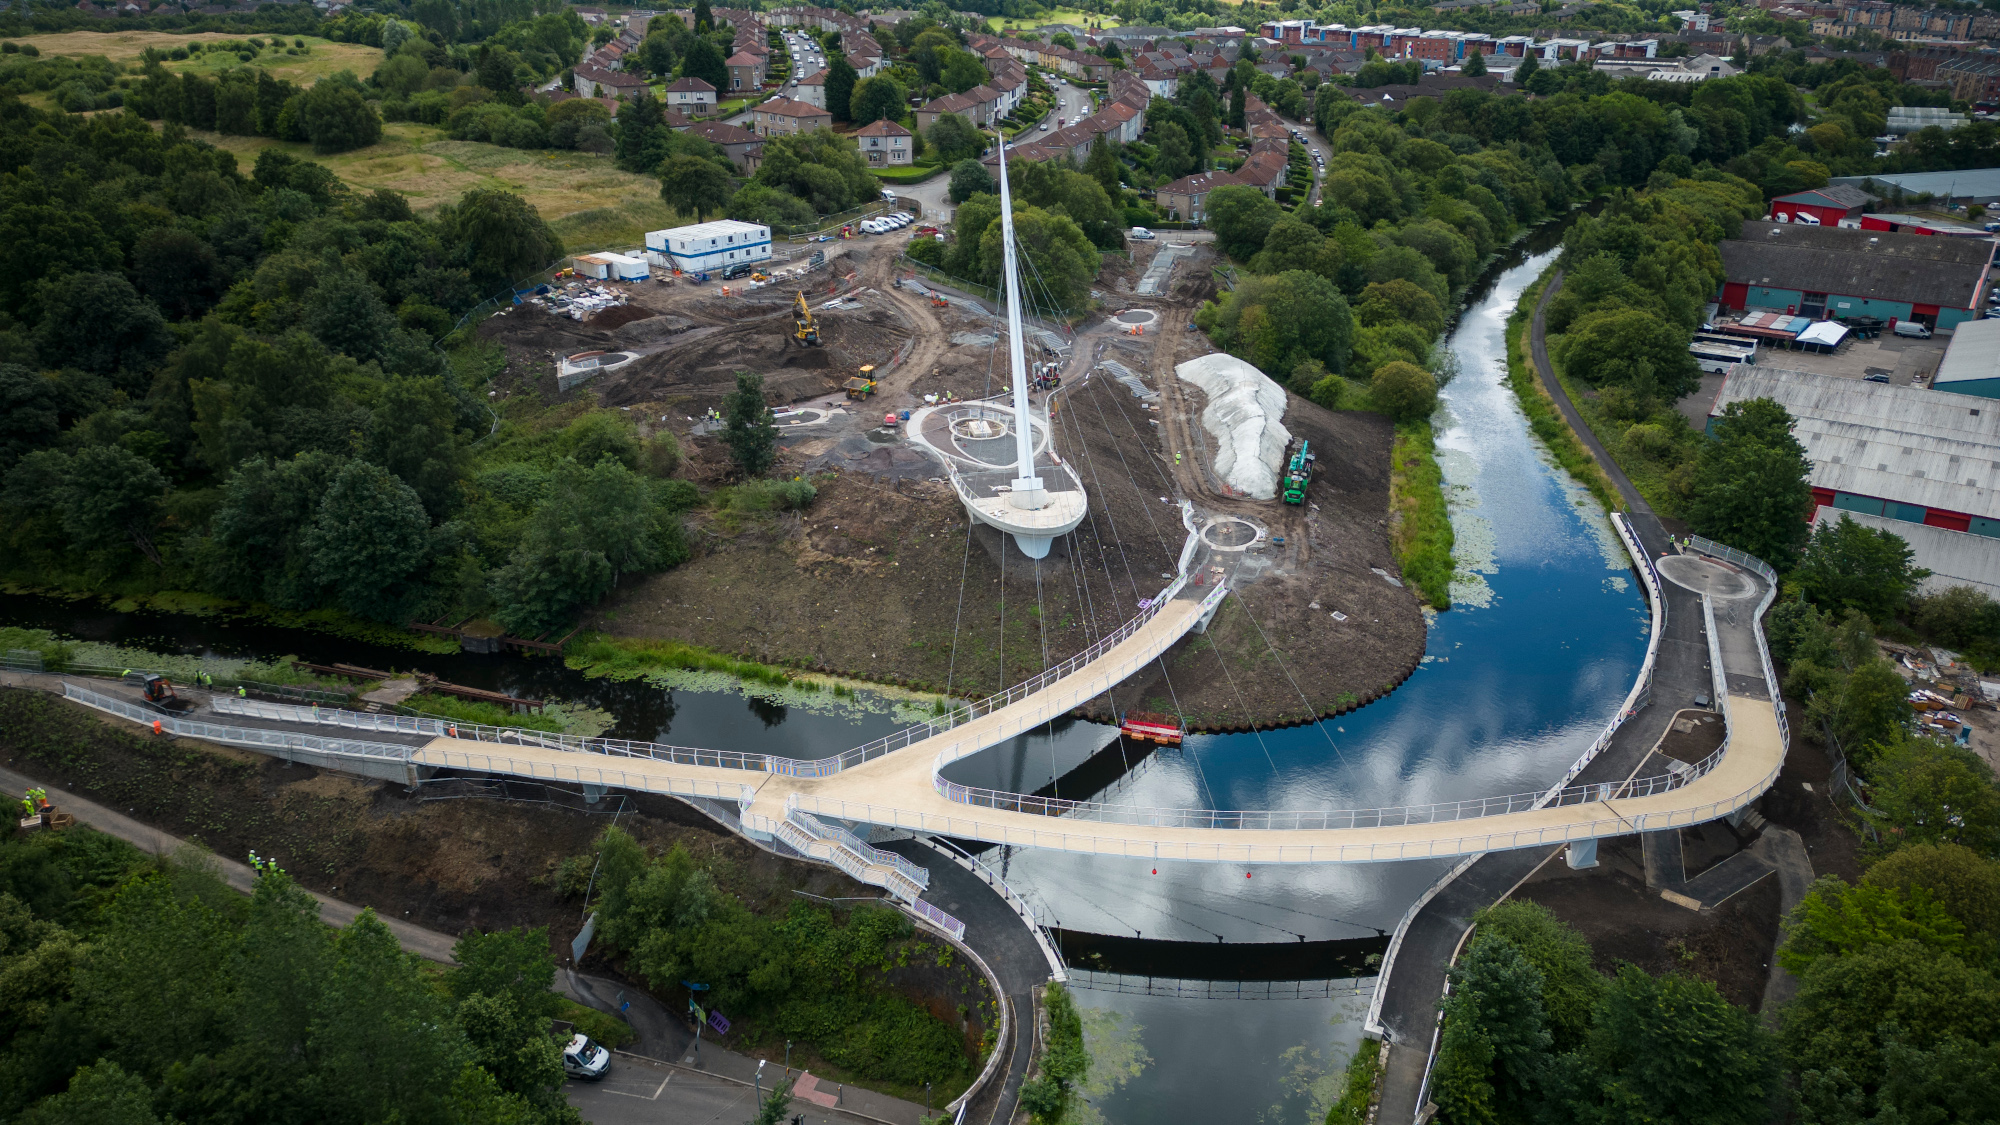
(584, 1058)
(1141, 234)
(1912, 329)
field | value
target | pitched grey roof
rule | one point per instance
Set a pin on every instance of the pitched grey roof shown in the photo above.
(1923, 269)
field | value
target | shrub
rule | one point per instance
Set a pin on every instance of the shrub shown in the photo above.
(1404, 391)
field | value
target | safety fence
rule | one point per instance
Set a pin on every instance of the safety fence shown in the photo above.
(1183, 989)
(940, 919)
(256, 737)
(32, 660)
(904, 261)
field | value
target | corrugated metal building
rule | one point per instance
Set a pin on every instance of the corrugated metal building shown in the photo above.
(1910, 459)
(1972, 362)
(1832, 272)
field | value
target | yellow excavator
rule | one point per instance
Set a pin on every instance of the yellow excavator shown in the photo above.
(808, 333)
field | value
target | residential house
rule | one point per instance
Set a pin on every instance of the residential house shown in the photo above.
(884, 143)
(812, 88)
(1186, 199)
(864, 66)
(745, 148)
(596, 82)
(746, 73)
(780, 117)
(691, 96)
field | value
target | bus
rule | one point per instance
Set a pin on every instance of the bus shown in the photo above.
(1719, 358)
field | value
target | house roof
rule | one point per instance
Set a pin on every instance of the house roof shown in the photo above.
(882, 128)
(816, 78)
(723, 134)
(791, 107)
(862, 62)
(1833, 195)
(691, 85)
(742, 59)
(1201, 183)
(1921, 269)
(616, 78)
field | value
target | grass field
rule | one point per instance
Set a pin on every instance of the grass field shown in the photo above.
(324, 57)
(1059, 15)
(587, 201)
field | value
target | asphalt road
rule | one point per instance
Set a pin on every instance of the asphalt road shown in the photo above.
(639, 1091)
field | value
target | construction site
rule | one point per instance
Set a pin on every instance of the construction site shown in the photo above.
(884, 577)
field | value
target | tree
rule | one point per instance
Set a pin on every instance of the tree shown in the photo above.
(345, 312)
(952, 138)
(704, 19)
(414, 434)
(105, 496)
(1278, 321)
(1526, 70)
(969, 178)
(1928, 792)
(751, 435)
(1632, 348)
(1102, 165)
(1173, 155)
(367, 539)
(962, 71)
(840, 80)
(1964, 883)
(595, 522)
(1571, 987)
(29, 417)
(124, 335)
(1854, 1014)
(776, 1108)
(1847, 565)
(704, 61)
(875, 99)
(1835, 920)
(1474, 65)
(1672, 1050)
(819, 167)
(259, 529)
(102, 1094)
(1404, 391)
(1237, 98)
(1750, 487)
(1399, 301)
(1240, 216)
(337, 119)
(1063, 39)
(693, 186)
(499, 236)
(1495, 1032)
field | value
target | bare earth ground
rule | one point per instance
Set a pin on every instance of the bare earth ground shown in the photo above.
(880, 579)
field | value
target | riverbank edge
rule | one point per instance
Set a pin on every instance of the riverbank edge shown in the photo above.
(1545, 420)
(1420, 528)
(331, 622)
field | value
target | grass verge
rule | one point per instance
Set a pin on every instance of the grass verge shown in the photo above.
(604, 1027)
(488, 714)
(1357, 1088)
(1545, 419)
(631, 658)
(1420, 522)
(914, 174)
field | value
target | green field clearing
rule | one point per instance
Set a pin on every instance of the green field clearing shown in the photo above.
(323, 57)
(590, 203)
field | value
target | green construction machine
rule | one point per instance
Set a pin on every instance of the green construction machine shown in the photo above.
(1299, 473)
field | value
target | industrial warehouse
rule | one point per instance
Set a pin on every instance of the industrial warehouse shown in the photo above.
(1917, 462)
(1821, 272)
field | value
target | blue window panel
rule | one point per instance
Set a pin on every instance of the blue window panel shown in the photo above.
(1866, 505)
(1985, 527)
(1909, 513)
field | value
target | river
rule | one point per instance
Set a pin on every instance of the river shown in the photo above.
(1546, 632)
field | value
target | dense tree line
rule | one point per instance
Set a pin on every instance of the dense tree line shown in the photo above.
(141, 990)
(255, 403)
(1062, 217)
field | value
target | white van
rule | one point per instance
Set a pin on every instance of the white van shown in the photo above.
(584, 1058)
(1913, 329)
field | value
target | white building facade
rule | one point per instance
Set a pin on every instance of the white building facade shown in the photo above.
(709, 246)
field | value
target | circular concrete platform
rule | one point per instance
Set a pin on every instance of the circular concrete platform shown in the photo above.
(1231, 534)
(1142, 317)
(1706, 576)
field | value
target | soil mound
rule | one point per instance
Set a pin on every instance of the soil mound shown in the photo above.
(812, 359)
(619, 315)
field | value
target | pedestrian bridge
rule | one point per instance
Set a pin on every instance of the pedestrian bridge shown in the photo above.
(896, 782)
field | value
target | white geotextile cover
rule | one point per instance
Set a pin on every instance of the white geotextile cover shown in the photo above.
(1244, 415)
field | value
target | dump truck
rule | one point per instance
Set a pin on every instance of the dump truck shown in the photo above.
(808, 331)
(862, 385)
(1298, 473)
(160, 691)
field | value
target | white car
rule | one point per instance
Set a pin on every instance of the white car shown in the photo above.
(583, 1058)
(872, 226)
(1140, 234)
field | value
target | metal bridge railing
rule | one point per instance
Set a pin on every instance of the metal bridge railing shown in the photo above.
(257, 737)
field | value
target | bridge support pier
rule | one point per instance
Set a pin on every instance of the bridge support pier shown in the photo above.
(594, 793)
(1201, 626)
(1581, 854)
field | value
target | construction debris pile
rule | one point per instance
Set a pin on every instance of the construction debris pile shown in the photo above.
(576, 299)
(1945, 689)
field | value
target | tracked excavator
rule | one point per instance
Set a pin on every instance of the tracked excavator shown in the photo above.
(808, 333)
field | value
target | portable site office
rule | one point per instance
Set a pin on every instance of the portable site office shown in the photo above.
(709, 246)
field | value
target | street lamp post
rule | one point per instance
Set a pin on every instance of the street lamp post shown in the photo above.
(759, 1079)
